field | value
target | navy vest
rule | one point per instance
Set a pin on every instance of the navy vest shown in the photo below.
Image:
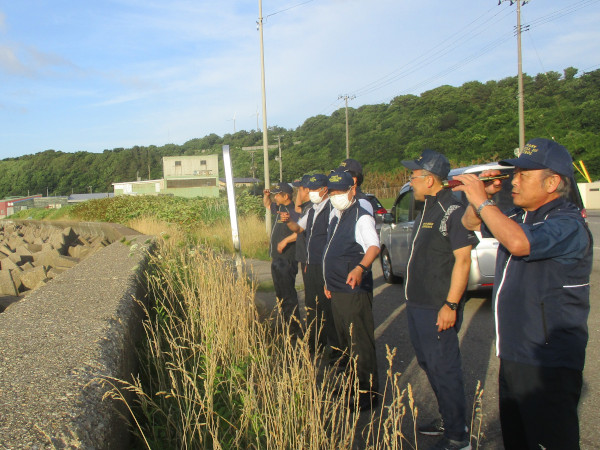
(343, 253)
(316, 234)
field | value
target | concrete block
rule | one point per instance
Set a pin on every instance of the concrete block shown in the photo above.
(33, 277)
(70, 235)
(64, 261)
(45, 257)
(33, 248)
(15, 258)
(7, 285)
(16, 276)
(8, 264)
(53, 272)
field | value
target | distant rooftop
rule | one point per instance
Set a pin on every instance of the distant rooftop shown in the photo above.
(241, 180)
(75, 198)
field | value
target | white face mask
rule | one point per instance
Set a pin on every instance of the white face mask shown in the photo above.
(315, 197)
(341, 202)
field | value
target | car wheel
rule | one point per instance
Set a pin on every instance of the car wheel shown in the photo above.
(386, 267)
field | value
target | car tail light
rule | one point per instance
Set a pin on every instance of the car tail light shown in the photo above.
(381, 211)
(583, 213)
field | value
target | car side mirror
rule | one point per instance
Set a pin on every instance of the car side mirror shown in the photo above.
(388, 218)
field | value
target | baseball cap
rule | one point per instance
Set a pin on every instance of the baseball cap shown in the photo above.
(301, 182)
(339, 181)
(316, 181)
(540, 153)
(282, 187)
(350, 165)
(431, 161)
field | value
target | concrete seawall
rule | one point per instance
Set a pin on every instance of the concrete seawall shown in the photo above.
(59, 339)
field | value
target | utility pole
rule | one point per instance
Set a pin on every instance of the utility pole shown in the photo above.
(520, 77)
(279, 158)
(521, 106)
(264, 107)
(346, 97)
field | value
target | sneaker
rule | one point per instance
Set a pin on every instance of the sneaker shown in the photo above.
(434, 428)
(449, 444)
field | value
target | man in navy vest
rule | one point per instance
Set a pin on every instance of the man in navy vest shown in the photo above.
(353, 245)
(437, 275)
(314, 224)
(541, 295)
(284, 266)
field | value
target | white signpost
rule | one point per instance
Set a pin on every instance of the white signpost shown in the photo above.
(232, 209)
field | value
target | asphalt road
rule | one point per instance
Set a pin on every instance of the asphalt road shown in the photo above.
(480, 363)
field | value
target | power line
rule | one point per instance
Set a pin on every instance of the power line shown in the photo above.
(441, 50)
(435, 53)
(287, 9)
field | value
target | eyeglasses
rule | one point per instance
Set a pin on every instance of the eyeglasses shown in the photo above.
(418, 176)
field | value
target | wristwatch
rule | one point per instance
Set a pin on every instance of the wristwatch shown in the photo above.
(453, 306)
(364, 269)
(488, 202)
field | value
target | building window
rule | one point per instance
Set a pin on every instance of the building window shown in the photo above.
(177, 163)
(202, 162)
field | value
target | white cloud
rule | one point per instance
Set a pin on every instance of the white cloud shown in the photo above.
(11, 64)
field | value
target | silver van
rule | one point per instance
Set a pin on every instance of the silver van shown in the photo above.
(396, 231)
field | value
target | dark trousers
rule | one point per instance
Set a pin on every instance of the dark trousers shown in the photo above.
(319, 317)
(355, 310)
(438, 354)
(284, 273)
(538, 406)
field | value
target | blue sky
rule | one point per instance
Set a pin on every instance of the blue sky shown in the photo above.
(95, 75)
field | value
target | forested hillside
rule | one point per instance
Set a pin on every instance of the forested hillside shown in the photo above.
(473, 122)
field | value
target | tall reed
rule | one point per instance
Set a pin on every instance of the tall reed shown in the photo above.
(213, 376)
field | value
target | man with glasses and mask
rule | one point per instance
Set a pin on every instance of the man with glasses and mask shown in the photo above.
(437, 275)
(352, 246)
(541, 294)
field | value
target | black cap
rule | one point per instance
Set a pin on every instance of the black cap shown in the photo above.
(540, 153)
(431, 161)
(316, 181)
(301, 182)
(282, 187)
(350, 165)
(339, 181)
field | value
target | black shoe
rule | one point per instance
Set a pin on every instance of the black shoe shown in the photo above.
(434, 428)
(449, 444)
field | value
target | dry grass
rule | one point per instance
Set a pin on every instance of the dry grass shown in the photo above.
(214, 376)
(253, 238)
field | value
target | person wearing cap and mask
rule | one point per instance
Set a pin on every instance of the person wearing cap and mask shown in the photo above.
(318, 307)
(354, 168)
(352, 246)
(302, 204)
(437, 275)
(284, 266)
(541, 294)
